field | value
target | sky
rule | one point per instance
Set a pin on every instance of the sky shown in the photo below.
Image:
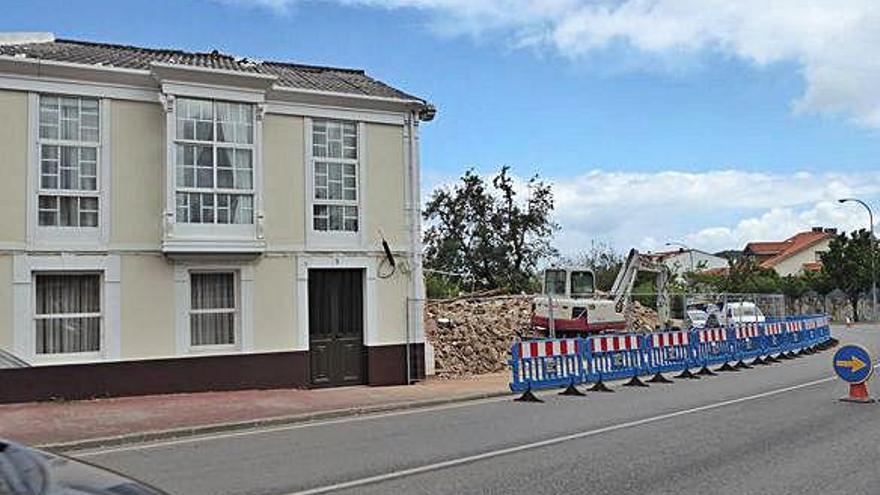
(707, 122)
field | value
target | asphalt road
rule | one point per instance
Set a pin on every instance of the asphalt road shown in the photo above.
(776, 429)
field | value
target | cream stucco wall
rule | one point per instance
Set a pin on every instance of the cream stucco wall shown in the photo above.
(386, 187)
(13, 163)
(392, 296)
(147, 290)
(275, 305)
(7, 323)
(138, 161)
(284, 180)
(147, 307)
(794, 265)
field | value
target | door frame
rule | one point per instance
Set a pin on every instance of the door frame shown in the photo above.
(371, 314)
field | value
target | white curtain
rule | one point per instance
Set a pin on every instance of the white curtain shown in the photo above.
(60, 295)
(212, 317)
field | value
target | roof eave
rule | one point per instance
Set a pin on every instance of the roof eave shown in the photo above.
(333, 98)
(34, 68)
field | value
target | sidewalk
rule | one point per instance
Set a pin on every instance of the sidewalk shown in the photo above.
(112, 421)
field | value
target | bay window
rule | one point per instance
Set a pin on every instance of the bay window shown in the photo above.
(335, 176)
(69, 142)
(214, 162)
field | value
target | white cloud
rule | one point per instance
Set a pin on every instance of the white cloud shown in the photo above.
(711, 210)
(834, 42)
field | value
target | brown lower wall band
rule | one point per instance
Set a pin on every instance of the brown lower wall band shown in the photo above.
(386, 365)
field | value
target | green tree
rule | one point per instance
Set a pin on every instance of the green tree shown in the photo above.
(820, 283)
(793, 287)
(847, 264)
(488, 233)
(746, 276)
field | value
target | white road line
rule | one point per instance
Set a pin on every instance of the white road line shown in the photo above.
(544, 443)
(274, 429)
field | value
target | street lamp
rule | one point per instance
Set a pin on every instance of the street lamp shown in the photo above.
(873, 270)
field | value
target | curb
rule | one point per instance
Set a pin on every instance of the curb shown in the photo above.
(155, 435)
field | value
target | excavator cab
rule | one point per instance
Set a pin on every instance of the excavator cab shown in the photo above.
(577, 284)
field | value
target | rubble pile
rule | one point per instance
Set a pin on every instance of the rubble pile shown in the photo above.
(643, 318)
(472, 336)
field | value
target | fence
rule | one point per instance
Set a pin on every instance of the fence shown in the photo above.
(552, 363)
(684, 307)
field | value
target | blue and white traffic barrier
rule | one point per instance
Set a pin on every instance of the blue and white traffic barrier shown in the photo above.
(555, 363)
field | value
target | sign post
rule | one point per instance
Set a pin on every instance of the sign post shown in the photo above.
(854, 365)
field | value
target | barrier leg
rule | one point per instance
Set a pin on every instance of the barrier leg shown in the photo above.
(770, 359)
(686, 374)
(758, 361)
(726, 367)
(528, 396)
(659, 378)
(635, 381)
(705, 371)
(741, 365)
(572, 390)
(600, 386)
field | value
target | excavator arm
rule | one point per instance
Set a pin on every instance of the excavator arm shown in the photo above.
(626, 278)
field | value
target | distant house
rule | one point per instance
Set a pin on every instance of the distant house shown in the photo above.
(795, 255)
(682, 261)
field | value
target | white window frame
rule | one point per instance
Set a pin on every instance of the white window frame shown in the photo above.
(89, 238)
(212, 237)
(216, 145)
(100, 314)
(327, 238)
(244, 300)
(236, 312)
(25, 269)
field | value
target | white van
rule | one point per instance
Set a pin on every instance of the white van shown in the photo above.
(735, 312)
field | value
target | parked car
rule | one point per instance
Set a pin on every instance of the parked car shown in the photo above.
(696, 318)
(28, 471)
(735, 312)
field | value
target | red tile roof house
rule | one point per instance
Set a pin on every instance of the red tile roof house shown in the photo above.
(795, 255)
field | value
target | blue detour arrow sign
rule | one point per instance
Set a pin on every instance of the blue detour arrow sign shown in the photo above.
(853, 364)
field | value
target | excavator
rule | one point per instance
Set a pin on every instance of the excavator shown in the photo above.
(570, 306)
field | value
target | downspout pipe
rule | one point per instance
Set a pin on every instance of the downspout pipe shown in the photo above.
(425, 113)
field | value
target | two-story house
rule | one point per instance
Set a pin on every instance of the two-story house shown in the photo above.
(176, 221)
(795, 255)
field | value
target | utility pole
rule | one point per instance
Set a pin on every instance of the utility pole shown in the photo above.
(873, 256)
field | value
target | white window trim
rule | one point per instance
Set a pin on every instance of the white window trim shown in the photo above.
(25, 266)
(371, 301)
(68, 237)
(211, 237)
(244, 337)
(335, 239)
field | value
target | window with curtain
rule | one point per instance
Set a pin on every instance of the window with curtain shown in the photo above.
(69, 145)
(68, 313)
(214, 150)
(213, 308)
(335, 167)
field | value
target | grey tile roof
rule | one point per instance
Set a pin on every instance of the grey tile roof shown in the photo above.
(310, 77)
